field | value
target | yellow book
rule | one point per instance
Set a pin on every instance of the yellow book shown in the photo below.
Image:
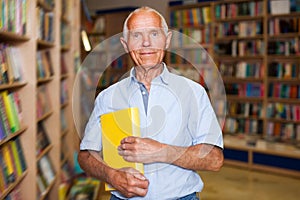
(10, 170)
(116, 126)
(16, 158)
(11, 112)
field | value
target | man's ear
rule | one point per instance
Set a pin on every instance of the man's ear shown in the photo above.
(124, 43)
(168, 40)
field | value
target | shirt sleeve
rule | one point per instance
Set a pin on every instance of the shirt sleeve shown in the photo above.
(205, 126)
(92, 139)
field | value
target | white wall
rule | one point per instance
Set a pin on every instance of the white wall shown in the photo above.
(159, 5)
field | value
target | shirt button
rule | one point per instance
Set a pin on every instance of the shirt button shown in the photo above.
(144, 93)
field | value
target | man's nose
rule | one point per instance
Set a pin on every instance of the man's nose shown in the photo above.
(146, 41)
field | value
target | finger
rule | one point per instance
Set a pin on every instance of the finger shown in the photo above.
(141, 191)
(139, 176)
(136, 173)
(128, 146)
(129, 139)
(142, 184)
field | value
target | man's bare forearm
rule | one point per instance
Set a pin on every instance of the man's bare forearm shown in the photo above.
(92, 163)
(198, 157)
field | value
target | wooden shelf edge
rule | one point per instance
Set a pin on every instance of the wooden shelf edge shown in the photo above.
(241, 79)
(63, 105)
(242, 98)
(44, 5)
(44, 80)
(64, 76)
(64, 132)
(44, 44)
(13, 185)
(229, 38)
(44, 152)
(13, 135)
(276, 149)
(65, 48)
(283, 100)
(11, 36)
(44, 116)
(45, 193)
(240, 18)
(12, 85)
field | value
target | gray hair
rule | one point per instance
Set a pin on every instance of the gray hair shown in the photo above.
(148, 9)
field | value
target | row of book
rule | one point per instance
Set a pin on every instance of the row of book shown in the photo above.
(241, 29)
(283, 132)
(284, 70)
(245, 89)
(45, 25)
(235, 10)
(190, 73)
(243, 126)
(245, 109)
(63, 65)
(10, 113)
(45, 175)
(283, 7)
(191, 36)
(63, 121)
(242, 69)
(64, 97)
(44, 64)
(43, 101)
(282, 90)
(190, 17)
(284, 47)
(65, 34)
(240, 48)
(13, 16)
(66, 9)
(42, 139)
(11, 64)
(12, 163)
(193, 56)
(280, 26)
(284, 111)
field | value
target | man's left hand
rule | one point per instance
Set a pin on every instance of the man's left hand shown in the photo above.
(141, 150)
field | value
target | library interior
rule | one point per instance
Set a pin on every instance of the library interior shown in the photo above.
(58, 55)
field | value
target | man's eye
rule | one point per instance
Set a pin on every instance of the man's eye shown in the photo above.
(154, 34)
(136, 35)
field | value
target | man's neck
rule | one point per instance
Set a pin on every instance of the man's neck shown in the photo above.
(146, 75)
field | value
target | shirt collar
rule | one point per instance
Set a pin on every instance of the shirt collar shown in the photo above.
(163, 77)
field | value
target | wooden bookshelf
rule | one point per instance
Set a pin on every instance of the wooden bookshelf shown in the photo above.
(96, 77)
(33, 40)
(246, 48)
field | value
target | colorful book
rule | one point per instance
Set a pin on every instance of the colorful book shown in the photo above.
(9, 163)
(10, 111)
(116, 126)
(16, 157)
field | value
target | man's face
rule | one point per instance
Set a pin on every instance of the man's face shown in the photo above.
(146, 40)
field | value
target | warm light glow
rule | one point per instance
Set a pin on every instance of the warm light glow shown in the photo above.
(85, 40)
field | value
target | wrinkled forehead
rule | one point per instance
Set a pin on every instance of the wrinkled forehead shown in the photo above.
(146, 30)
(143, 20)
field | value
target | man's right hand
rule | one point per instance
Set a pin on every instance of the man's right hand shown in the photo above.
(129, 182)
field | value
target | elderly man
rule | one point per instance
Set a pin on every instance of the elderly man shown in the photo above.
(180, 132)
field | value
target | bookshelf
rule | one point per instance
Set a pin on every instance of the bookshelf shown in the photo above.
(106, 63)
(255, 46)
(33, 39)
